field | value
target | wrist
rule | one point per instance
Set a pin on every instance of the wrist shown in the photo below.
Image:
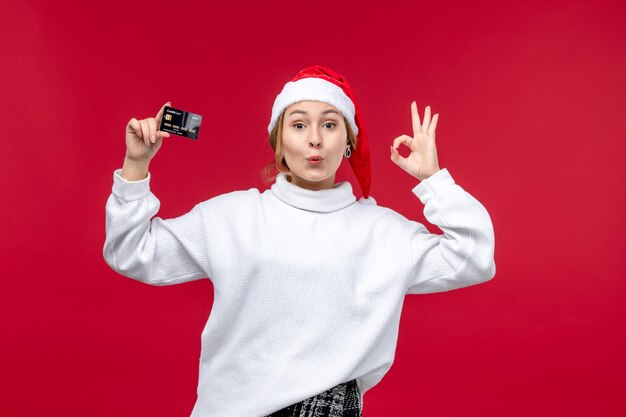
(428, 175)
(135, 170)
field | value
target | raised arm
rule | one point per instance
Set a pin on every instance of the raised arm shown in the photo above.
(157, 251)
(464, 254)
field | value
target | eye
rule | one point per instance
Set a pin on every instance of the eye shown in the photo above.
(298, 124)
(330, 123)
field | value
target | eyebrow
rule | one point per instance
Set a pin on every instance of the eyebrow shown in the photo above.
(324, 112)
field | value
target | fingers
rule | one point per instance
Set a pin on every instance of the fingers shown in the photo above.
(152, 124)
(433, 125)
(159, 115)
(395, 155)
(425, 126)
(416, 119)
(426, 123)
(133, 126)
(397, 158)
(148, 129)
(145, 131)
(402, 139)
(161, 135)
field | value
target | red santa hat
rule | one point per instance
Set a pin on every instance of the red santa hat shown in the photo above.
(319, 83)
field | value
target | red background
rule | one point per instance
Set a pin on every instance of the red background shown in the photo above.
(531, 123)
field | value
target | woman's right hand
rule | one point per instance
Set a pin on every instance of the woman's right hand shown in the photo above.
(143, 138)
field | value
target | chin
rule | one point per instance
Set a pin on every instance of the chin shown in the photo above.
(312, 180)
(312, 177)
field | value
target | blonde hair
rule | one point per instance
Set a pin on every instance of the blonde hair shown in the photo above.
(279, 164)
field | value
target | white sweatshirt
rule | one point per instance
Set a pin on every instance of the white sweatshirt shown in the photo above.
(309, 285)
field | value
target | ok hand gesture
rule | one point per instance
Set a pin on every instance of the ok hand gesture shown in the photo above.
(422, 162)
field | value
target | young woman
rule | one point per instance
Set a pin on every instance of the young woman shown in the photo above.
(309, 281)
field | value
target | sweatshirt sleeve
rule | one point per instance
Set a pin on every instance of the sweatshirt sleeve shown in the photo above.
(158, 251)
(464, 254)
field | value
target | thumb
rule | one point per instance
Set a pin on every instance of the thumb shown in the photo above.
(159, 115)
(397, 158)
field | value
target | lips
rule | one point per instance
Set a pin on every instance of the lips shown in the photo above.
(314, 158)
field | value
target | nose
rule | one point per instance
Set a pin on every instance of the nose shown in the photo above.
(315, 140)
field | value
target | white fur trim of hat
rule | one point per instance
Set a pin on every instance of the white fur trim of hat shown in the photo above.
(316, 89)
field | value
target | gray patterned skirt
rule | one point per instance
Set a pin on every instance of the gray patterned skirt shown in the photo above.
(340, 401)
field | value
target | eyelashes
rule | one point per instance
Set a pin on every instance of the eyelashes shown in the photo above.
(301, 124)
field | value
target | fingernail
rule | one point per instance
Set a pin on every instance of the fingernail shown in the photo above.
(152, 139)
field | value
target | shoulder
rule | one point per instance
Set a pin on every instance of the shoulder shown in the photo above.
(370, 207)
(238, 199)
(386, 217)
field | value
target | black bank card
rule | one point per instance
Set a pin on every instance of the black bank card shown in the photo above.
(180, 122)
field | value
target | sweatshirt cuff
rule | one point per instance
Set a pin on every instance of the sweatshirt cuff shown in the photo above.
(433, 185)
(129, 190)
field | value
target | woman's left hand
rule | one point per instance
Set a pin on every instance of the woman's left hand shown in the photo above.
(422, 162)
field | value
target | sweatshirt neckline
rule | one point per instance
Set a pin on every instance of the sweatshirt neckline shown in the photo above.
(325, 201)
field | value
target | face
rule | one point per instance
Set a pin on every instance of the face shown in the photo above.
(314, 139)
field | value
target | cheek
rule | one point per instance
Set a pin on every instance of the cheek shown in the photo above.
(287, 146)
(285, 142)
(289, 149)
(341, 148)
